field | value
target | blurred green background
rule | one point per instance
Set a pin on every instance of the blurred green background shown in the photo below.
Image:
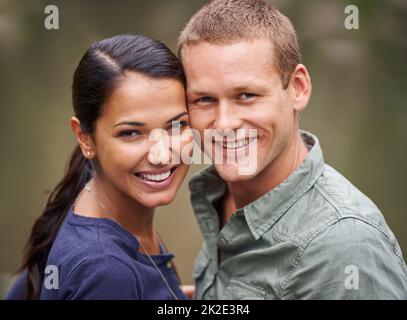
(358, 107)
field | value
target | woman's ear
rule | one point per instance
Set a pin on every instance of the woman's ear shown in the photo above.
(301, 87)
(84, 139)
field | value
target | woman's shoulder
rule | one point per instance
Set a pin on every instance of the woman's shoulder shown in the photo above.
(98, 276)
(81, 238)
(92, 253)
(17, 291)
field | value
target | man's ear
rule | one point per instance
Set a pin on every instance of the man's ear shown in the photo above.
(301, 87)
(84, 139)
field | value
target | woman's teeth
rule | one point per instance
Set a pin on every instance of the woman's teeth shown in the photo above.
(154, 177)
(237, 144)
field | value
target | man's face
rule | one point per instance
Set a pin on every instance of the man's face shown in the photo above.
(236, 86)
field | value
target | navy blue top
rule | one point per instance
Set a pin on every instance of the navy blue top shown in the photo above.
(98, 259)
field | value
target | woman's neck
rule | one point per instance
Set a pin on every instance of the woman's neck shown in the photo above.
(134, 217)
(103, 200)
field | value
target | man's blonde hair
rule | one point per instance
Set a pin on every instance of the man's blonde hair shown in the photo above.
(227, 21)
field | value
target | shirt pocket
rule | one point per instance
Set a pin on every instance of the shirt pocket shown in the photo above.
(237, 290)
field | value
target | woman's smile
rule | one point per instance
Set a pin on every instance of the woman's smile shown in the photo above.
(158, 178)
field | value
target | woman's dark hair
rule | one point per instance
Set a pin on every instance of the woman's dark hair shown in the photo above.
(99, 72)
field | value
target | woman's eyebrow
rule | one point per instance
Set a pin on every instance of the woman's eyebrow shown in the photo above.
(141, 124)
(130, 123)
(177, 117)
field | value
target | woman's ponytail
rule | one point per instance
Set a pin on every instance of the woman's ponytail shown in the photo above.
(47, 225)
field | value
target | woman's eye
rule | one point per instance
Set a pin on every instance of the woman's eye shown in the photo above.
(129, 133)
(178, 125)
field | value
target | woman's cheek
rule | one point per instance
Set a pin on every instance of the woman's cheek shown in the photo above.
(123, 156)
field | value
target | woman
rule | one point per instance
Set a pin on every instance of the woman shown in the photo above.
(95, 238)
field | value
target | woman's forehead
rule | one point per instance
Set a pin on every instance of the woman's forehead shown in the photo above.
(146, 100)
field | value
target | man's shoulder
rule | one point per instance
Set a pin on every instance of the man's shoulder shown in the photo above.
(338, 230)
(331, 200)
(345, 195)
(349, 203)
(351, 248)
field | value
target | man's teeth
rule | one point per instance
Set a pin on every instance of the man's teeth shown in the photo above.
(237, 144)
(155, 177)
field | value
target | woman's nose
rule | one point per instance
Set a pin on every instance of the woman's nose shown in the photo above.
(159, 152)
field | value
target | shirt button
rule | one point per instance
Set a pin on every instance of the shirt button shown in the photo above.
(169, 265)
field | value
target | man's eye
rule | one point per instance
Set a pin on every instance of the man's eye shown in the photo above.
(247, 96)
(129, 133)
(205, 100)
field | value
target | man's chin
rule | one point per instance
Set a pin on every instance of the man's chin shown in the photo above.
(235, 173)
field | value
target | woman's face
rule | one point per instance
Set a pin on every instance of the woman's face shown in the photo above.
(134, 157)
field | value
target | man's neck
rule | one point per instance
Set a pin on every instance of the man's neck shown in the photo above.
(242, 193)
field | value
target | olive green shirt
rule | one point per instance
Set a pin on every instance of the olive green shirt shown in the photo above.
(315, 236)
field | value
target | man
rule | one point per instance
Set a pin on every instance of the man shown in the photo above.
(294, 228)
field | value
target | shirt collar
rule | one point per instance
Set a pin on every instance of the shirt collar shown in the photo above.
(206, 187)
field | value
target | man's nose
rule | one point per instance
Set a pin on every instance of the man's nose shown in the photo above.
(227, 117)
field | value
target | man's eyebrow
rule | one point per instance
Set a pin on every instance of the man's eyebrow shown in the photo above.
(177, 117)
(240, 88)
(249, 87)
(130, 123)
(198, 92)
